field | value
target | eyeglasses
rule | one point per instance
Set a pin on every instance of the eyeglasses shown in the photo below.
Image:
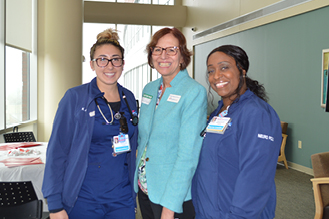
(103, 62)
(171, 51)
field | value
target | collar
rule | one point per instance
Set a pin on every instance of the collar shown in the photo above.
(94, 91)
(178, 78)
(234, 105)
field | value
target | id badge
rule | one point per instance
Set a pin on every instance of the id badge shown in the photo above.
(174, 98)
(218, 124)
(121, 144)
(146, 99)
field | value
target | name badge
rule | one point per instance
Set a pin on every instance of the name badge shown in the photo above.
(121, 144)
(173, 98)
(218, 124)
(146, 99)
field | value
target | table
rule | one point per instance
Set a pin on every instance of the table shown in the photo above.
(32, 173)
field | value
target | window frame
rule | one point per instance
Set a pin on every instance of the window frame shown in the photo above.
(33, 76)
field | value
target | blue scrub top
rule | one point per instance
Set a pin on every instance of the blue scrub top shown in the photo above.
(107, 177)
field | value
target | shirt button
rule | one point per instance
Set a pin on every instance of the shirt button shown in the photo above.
(147, 159)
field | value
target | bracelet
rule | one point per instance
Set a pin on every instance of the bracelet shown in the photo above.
(56, 210)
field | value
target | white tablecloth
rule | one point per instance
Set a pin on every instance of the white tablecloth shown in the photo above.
(32, 173)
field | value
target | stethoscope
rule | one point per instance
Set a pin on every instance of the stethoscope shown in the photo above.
(134, 118)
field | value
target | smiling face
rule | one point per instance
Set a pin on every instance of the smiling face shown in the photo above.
(224, 76)
(167, 66)
(109, 75)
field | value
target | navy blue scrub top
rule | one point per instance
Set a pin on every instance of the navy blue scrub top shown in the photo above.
(107, 177)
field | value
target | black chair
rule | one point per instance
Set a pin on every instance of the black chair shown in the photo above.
(19, 200)
(16, 136)
(19, 137)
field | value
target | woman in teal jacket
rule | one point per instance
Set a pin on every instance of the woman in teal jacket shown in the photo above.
(173, 113)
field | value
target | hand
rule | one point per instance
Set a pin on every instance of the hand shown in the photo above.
(59, 215)
(167, 214)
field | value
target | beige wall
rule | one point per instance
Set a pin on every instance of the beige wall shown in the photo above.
(140, 14)
(205, 14)
(59, 56)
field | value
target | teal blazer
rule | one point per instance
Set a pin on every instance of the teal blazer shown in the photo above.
(172, 136)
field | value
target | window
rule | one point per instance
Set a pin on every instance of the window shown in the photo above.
(18, 63)
(2, 65)
(163, 2)
(100, 0)
(135, 1)
(17, 86)
(155, 2)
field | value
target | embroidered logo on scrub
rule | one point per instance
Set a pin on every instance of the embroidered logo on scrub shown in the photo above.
(91, 114)
(266, 137)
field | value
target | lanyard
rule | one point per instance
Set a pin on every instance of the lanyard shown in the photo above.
(134, 118)
(224, 113)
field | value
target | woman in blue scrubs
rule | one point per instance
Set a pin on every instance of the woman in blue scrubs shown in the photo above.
(91, 153)
(235, 174)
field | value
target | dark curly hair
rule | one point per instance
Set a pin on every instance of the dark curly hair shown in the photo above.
(242, 63)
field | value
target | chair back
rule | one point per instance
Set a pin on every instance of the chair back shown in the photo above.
(19, 137)
(19, 200)
(284, 127)
(282, 155)
(320, 163)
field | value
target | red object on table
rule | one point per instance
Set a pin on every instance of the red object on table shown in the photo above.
(18, 145)
(15, 161)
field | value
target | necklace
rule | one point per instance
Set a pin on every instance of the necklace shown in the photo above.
(107, 122)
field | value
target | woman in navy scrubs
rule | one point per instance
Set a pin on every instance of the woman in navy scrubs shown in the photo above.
(92, 149)
(235, 174)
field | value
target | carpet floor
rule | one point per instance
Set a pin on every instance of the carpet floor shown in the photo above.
(295, 198)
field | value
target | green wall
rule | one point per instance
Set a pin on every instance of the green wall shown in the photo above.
(286, 56)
